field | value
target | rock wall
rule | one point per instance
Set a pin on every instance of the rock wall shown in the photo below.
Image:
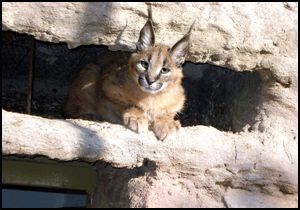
(197, 167)
(200, 166)
(237, 35)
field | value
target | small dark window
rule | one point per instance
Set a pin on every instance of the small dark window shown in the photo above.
(31, 197)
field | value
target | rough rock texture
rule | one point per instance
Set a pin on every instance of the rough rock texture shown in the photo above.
(200, 166)
(238, 35)
(197, 167)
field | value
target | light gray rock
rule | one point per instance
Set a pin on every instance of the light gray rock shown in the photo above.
(235, 35)
(192, 168)
(237, 198)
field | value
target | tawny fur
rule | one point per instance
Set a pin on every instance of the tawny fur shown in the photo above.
(111, 90)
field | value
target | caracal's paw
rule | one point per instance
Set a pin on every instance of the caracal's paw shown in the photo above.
(164, 127)
(135, 121)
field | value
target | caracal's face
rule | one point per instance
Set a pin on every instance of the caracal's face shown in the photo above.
(153, 69)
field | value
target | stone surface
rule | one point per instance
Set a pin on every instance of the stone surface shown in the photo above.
(236, 35)
(193, 168)
(200, 166)
(237, 198)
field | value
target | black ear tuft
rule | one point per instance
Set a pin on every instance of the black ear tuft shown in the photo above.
(147, 38)
(180, 50)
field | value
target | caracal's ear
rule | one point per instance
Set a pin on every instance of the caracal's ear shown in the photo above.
(146, 38)
(180, 50)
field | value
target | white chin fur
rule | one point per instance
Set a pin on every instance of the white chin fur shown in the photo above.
(153, 91)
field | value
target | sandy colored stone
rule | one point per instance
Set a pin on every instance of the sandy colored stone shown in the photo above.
(192, 168)
(237, 198)
(236, 35)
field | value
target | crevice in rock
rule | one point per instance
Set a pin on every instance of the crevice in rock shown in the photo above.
(229, 183)
(262, 181)
(218, 97)
(224, 202)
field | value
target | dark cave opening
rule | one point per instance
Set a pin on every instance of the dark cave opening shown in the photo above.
(218, 97)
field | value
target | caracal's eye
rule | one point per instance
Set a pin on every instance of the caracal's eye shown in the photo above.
(144, 64)
(164, 70)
